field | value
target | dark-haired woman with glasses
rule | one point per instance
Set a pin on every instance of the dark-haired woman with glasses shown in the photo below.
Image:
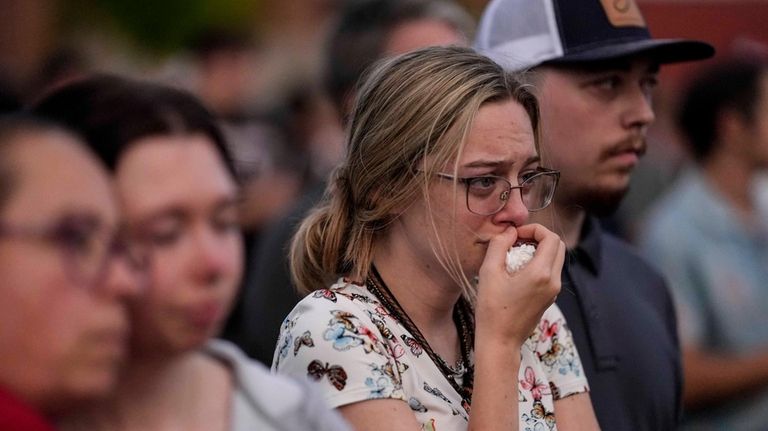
(65, 276)
(177, 192)
(411, 317)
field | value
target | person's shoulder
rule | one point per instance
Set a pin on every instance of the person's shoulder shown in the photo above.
(626, 259)
(253, 377)
(344, 295)
(617, 249)
(266, 397)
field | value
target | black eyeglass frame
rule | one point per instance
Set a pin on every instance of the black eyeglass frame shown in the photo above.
(504, 196)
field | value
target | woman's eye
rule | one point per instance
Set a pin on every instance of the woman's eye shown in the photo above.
(481, 183)
(482, 186)
(526, 176)
(163, 236)
(78, 240)
(226, 222)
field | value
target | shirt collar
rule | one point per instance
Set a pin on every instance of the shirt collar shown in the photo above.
(589, 249)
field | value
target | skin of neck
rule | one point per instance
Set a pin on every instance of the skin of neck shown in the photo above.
(565, 220)
(425, 291)
(154, 389)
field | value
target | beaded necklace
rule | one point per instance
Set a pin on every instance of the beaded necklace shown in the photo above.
(462, 317)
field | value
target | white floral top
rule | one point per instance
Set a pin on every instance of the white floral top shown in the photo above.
(345, 339)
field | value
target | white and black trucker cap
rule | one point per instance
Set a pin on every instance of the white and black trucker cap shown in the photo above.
(520, 34)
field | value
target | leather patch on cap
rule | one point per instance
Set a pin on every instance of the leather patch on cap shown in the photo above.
(623, 13)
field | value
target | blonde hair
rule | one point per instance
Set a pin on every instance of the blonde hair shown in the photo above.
(411, 108)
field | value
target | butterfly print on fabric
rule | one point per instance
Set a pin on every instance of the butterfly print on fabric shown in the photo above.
(554, 390)
(343, 317)
(285, 346)
(568, 364)
(390, 367)
(436, 392)
(553, 353)
(388, 370)
(336, 374)
(536, 387)
(532, 424)
(416, 405)
(381, 326)
(540, 412)
(414, 345)
(396, 350)
(439, 394)
(357, 297)
(325, 293)
(304, 340)
(547, 330)
(378, 387)
(341, 337)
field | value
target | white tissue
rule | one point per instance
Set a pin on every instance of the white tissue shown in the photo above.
(518, 256)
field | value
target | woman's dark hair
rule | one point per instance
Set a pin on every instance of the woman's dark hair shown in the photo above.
(728, 85)
(111, 113)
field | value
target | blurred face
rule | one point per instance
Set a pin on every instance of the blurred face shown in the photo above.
(500, 143)
(415, 34)
(594, 122)
(63, 325)
(179, 198)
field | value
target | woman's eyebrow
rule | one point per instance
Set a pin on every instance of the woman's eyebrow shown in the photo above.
(487, 164)
(533, 159)
(495, 163)
(173, 212)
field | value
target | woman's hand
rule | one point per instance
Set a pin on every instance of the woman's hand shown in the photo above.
(509, 306)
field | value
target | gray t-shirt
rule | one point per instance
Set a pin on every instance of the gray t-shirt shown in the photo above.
(266, 402)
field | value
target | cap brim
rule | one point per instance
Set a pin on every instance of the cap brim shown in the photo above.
(663, 51)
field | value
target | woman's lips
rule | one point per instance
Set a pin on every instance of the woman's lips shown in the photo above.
(205, 314)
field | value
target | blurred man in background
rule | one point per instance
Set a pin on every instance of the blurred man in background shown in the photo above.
(594, 67)
(709, 236)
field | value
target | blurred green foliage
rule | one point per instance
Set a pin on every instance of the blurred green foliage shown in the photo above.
(162, 26)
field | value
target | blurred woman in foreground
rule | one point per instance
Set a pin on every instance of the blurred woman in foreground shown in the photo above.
(178, 195)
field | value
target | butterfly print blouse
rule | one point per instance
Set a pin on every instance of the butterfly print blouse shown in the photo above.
(345, 340)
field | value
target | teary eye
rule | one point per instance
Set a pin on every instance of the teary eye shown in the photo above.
(482, 182)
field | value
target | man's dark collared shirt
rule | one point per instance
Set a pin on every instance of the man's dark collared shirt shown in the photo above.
(623, 322)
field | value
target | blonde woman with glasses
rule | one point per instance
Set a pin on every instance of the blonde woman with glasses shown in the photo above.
(411, 316)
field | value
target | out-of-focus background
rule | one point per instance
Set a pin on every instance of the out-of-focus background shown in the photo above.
(258, 65)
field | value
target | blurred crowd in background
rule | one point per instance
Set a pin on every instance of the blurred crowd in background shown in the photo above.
(259, 66)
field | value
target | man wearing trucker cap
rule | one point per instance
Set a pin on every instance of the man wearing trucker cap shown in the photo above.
(594, 65)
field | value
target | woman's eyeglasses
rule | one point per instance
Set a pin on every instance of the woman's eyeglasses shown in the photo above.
(86, 246)
(487, 195)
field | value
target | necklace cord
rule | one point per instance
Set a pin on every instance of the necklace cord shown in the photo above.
(463, 319)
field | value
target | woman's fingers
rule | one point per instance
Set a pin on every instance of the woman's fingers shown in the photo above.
(547, 248)
(498, 246)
